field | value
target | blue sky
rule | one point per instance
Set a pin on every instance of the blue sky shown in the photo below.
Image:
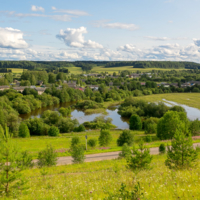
(100, 30)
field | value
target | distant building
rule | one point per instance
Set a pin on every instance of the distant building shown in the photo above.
(4, 87)
(143, 83)
(40, 83)
(40, 90)
(21, 88)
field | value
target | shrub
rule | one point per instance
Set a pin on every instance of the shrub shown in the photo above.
(125, 137)
(126, 151)
(77, 153)
(150, 125)
(23, 130)
(181, 154)
(105, 137)
(141, 157)
(47, 157)
(80, 128)
(75, 141)
(25, 160)
(162, 149)
(92, 142)
(135, 123)
(53, 131)
(124, 194)
(148, 139)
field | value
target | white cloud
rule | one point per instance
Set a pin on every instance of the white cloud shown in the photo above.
(37, 8)
(165, 38)
(197, 42)
(74, 38)
(12, 38)
(117, 25)
(71, 12)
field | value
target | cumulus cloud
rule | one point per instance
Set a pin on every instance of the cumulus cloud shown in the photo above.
(117, 25)
(37, 8)
(197, 42)
(74, 38)
(12, 38)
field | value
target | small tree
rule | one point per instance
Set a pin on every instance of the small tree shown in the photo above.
(78, 153)
(162, 148)
(135, 123)
(75, 141)
(125, 137)
(181, 154)
(53, 131)
(126, 152)
(25, 160)
(92, 142)
(141, 157)
(47, 157)
(10, 176)
(105, 137)
(24, 131)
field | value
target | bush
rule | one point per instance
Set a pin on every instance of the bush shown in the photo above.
(141, 157)
(135, 123)
(92, 142)
(80, 128)
(47, 157)
(53, 131)
(125, 137)
(105, 137)
(162, 149)
(75, 141)
(23, 130)
(126, 151)
(124, 194)
(78, 153)
(25, 160)
(150, 125)
(148, 139)
(181, 154)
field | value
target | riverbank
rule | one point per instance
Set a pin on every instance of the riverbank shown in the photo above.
(189, 99)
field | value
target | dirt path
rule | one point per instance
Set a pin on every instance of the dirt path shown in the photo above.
(102, 156)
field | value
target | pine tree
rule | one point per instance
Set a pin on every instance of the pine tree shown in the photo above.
(24, 131)
(140, 158)
(181, 154)
(10, 176)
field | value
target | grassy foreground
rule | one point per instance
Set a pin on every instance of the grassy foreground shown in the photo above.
(189, 99)
(92, 181)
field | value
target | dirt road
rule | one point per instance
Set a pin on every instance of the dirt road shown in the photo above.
(102, 156)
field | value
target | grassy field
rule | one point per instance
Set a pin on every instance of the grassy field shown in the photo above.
(99, 69)
(93, 181)
(189, 99)
(17, 70)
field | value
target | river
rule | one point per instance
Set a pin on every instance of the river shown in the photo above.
(118, 121)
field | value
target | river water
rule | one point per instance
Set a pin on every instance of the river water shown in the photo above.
(118, 121)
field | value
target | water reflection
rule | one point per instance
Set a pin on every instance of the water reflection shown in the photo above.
(192, 113)
(118, 121)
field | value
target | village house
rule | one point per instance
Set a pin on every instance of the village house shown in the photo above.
(21, 88)
(40, 90)
(143, 83)
(93, 87)
(4, 87)
(40, 83)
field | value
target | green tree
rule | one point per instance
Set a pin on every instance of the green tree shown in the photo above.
(181, 154)
(140, 158)
(126, 151)
(170, 123)
(47, 157)
(105, 137)
(135, 123)
(125, 137)
(10, 176)
(53, 131)
(77, 153)
(23, 131)
(92, 142)
(75, 141)
(33, 79)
